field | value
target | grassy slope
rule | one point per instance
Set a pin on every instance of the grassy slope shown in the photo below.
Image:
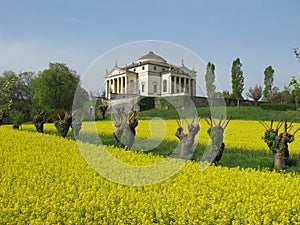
(240, 113)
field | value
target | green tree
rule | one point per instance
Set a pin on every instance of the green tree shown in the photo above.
(296, 85)
(5, 100)
(20, 93)
(210, 80)
(268, 81)
(22, 99)
(55, 88)
(297, 54)
(237, 80)
(285, 96)
(17, 118)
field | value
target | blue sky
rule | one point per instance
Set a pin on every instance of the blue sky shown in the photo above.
(259, 32)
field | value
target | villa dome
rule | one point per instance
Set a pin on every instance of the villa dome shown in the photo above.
(151, 57)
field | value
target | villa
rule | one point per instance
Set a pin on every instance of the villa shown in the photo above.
(150, 75)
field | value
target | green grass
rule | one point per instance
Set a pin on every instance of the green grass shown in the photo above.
(237, 113)
(231, 157)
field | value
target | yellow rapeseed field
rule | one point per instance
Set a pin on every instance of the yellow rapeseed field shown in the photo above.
(46, 180)
(239, 134)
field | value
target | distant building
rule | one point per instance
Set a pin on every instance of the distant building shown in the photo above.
(150, 75)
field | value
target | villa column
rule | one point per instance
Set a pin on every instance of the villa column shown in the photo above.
(122, 85)
(107, 89)
(118, 85)
(194, 88)
(180, 84)
(112, 85)
(125, 84)
(115, 85)
(189, 86)
(175, 85)
(169, 87)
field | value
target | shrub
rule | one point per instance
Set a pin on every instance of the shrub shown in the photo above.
(275, 107)
(146, 103)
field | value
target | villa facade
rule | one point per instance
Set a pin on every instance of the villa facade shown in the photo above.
(150, 75)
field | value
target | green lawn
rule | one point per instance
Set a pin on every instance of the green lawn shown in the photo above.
(238, 113)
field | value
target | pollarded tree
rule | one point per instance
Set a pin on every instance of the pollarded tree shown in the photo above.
(187, 140)
(77, 118)
(63, 124)
(39, 120)
(216, 133)
(125, 124)
(255, 93)
(237, 80)
(268, 81)
(278, 143)
(210, 80)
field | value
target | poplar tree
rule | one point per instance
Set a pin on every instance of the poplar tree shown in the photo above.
(210, 80)
(237, 80)
(268, 81)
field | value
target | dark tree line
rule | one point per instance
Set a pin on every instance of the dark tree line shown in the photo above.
(30, 96)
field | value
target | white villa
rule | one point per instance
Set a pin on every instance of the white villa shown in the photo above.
(150, 75)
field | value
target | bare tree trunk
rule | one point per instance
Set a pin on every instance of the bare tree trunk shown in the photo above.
(187, 140)
(216, 134)
(39, 120)
(278, 160)
(125, 124)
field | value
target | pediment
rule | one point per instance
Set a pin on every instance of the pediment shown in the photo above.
(184, 70)
(115, 71)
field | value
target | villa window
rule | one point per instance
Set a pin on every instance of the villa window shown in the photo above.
(155, 88)
(143, 87)
(165, 86)
(154, 67)
(143, 67)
